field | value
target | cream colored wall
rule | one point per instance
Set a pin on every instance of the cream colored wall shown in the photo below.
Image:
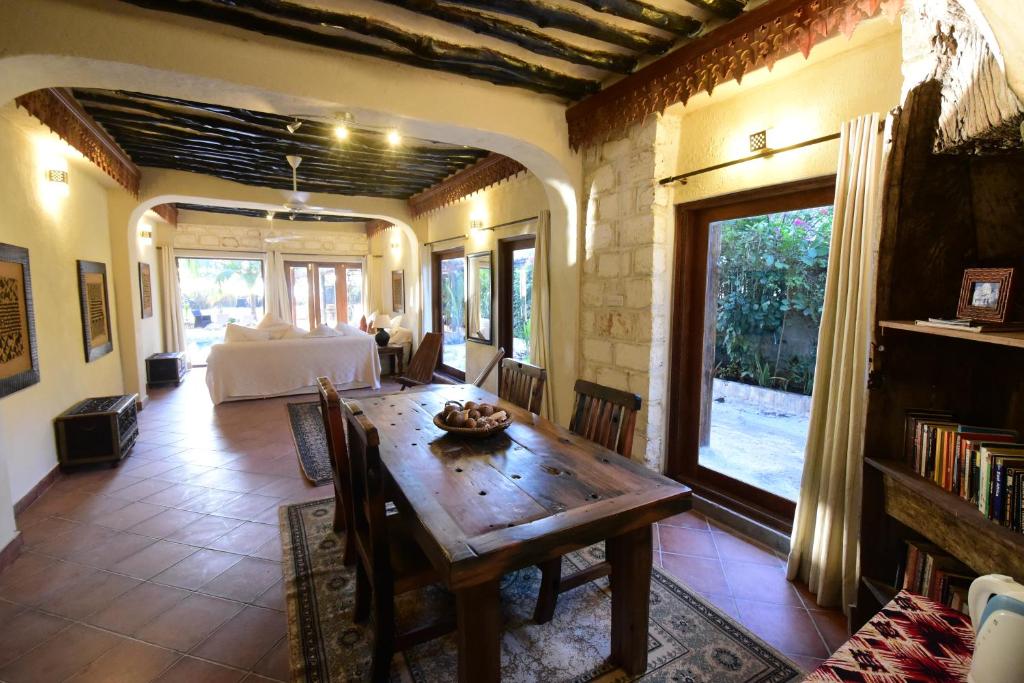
(520, 197)
(151, 339)
(391, 250)
(56, 231)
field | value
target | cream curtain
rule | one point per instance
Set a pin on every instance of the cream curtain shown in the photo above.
(826, 530)
(374, 303)
(276, 286)
(170, 301)
(540, 315)
(426, 303)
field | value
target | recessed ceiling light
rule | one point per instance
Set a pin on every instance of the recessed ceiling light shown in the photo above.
(270, 215)
(394, 138)
(341, 131)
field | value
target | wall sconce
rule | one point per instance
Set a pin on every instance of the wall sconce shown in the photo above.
(146, 236)
(762, 141)
(56, 175)
(476, 224)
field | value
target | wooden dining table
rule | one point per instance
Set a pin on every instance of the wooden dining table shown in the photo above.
(481, 508)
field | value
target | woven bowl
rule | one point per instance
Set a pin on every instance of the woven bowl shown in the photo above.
(474, 432)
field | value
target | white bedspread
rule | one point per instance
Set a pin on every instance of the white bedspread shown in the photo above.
(290, 366)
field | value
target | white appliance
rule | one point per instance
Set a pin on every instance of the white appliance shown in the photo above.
(997, 612)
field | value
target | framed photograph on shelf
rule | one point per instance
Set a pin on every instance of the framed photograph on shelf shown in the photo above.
(398, 291)
(985, 294)
(92, 291)
(480, 283)
(19, 356)
(146, 290)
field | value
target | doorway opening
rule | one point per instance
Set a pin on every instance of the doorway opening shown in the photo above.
(750, 284)
(324, 293)
(449, 292)
(515, 295)
(214, 293)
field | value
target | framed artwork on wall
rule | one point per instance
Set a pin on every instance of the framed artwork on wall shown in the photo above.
(398, 291)
(19, 356)
(480, 283)
(146, 290)
(92, 292)
(985, 294)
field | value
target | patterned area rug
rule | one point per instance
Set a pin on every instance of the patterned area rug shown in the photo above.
(310, 441)
(690, 641)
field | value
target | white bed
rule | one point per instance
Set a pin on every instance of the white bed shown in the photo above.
(281, 367)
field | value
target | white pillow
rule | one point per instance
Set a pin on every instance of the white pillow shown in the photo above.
(400, 335)
(293, 332)
(324, 331)
(347, 330)
(396, 321)
(241, 333)
(275, 326)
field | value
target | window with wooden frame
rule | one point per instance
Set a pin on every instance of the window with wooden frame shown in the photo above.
(324, 293)
(448, 289)
(748, 289)
(515, 295)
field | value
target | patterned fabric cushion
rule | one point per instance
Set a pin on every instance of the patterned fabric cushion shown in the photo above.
(910, 639)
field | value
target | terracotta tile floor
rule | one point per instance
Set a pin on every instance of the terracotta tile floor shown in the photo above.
(167, 568)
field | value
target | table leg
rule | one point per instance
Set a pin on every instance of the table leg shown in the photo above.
(479, 619)
(630, 557)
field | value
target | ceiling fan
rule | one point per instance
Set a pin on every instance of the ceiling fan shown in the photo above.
(274, 238)
(296, 201)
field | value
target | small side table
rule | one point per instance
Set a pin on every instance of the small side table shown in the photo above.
(396, 353)
(166, 368)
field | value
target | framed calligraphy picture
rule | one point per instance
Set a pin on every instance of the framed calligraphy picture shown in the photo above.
(146, 290)
(19, 356)
(398, 291)
(92, 290)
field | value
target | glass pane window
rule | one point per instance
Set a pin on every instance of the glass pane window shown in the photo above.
(453, 312)
(214, 293)
(327, 278)
(522, 302)
(354, 300)
(299, 282)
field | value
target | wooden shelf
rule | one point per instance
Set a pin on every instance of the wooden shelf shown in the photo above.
(949, 521)
(1014, 339)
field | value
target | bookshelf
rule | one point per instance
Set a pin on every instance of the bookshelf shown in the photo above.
(941, 214)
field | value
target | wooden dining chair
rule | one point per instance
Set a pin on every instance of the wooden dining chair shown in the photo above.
(607, 417)
(495, 359)
(522, 384)
(421, 366)
(389, 561)
(337, 451)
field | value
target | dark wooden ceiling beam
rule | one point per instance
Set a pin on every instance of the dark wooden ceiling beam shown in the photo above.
(297, 216)
(307, 25)
(546, 15)
(525, 37)
(641, 12)
(727, 9)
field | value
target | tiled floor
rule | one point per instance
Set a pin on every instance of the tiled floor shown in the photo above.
(168, 567)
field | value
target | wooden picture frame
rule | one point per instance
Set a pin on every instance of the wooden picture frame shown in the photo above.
(94, 299)
(19, 353)
(480, 297)
(985, 294)
(146, 290)
(398, 291)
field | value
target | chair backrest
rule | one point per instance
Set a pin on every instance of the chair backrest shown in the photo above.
(482, 377)
(606, 416)
(337, 447)
(369, 518)
(522, 384)
(421, 367)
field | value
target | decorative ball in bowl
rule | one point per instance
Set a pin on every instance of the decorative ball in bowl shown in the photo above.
(472, 418)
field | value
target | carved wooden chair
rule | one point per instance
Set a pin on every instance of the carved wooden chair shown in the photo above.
(421, 366)
(389, 561)
(337, 449)
(482, 377)
(607, 417)
(522, 384)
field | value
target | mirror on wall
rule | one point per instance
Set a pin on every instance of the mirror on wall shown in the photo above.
(481, 296)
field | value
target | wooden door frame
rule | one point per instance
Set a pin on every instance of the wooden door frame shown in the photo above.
(686, 359)
(506, 247)
(435, 293)
(313, 285)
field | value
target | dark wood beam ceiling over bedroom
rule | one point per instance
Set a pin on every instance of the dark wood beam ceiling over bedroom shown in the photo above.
(565, 48)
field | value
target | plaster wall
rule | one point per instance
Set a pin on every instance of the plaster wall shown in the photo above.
(151, 339)
(57, 228)
(392, 250)
(519, 197)
(628, 241)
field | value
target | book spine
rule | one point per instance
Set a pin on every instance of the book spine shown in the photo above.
(998, 492)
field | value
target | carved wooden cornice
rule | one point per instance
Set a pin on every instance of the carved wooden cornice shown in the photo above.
(754, 39)
(490, 170)
(377, 226)
(61, 113)
(169, 212)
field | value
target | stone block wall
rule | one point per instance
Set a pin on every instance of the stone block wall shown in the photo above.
(626, 280)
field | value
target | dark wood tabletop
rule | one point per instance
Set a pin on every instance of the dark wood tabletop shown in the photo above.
(480, 508)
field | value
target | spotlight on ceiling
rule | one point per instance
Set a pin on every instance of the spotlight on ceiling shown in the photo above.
(394, 138)
(294, 126)
(341, 132)
(270, 215)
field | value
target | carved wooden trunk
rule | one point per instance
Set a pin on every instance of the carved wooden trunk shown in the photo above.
(166, 368)
(97, 430)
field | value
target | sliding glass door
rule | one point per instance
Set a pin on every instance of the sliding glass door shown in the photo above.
(324, 293)
(449, 291)
(215, 292)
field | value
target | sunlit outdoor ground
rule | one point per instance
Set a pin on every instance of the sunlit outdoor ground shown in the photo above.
(757, 446)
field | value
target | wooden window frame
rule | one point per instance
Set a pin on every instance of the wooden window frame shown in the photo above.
(506, 248)
(687, 362)
(435, 277)
(313, 284)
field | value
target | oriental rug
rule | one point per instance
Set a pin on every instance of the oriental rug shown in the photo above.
(310, 441)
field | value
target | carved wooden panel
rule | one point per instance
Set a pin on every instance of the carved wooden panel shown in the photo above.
(490, 170)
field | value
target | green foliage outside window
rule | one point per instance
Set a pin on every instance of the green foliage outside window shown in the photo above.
(771, 278)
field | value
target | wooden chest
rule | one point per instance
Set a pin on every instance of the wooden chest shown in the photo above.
(166, 368)
(97, 430)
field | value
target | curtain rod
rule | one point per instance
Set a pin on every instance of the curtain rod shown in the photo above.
(759, 155)
(493, 227)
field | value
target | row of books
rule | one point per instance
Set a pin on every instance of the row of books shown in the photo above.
(982, 465)
(933, 573)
